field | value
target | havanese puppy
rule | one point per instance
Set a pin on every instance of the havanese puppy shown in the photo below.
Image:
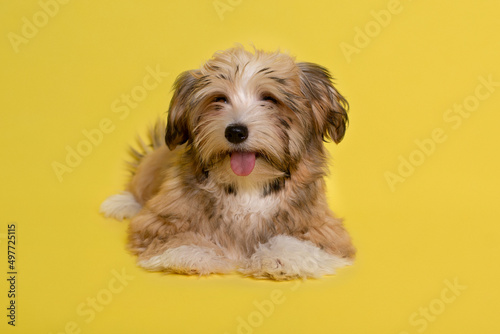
(235, 181)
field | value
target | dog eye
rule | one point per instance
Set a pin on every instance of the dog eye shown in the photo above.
(220, 99)
(269, 98)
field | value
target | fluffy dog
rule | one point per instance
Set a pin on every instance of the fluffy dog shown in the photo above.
(237, 182)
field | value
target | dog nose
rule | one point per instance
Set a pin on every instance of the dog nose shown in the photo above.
(236, 133)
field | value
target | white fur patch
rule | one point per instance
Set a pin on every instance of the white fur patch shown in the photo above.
(252, 201)
(284, 257)
(120, 206)
(188, 260)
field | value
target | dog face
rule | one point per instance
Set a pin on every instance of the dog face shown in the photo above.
(254, 114)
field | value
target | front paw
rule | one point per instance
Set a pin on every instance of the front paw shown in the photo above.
(188, 259)
(284, 257)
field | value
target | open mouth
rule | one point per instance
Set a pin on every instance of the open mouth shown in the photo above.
(242, 163)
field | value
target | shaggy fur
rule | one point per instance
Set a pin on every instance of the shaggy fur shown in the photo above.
(238, 183)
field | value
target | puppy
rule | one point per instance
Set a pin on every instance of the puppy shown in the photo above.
(237, 182)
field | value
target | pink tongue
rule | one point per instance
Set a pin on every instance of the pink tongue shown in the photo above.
(242, 163)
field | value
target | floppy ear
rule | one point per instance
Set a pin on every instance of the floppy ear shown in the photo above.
(329, 107)
(177, 131)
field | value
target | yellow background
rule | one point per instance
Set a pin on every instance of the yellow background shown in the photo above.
(440, 225)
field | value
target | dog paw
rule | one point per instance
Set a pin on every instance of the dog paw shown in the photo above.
(121, 206)
(285, 258)
(190, 260)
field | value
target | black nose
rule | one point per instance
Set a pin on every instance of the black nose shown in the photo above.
(236, 133)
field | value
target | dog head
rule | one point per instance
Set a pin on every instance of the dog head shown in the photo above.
(254, 116)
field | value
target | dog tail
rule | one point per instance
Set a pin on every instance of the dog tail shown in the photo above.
(142, 184)
(154, 140)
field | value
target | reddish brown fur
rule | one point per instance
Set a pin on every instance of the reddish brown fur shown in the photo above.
(190, 196)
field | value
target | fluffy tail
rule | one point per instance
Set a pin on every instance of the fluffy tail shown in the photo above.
(145, 179)
(154, 140)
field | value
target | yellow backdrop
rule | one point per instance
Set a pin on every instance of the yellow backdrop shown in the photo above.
(416, 177)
